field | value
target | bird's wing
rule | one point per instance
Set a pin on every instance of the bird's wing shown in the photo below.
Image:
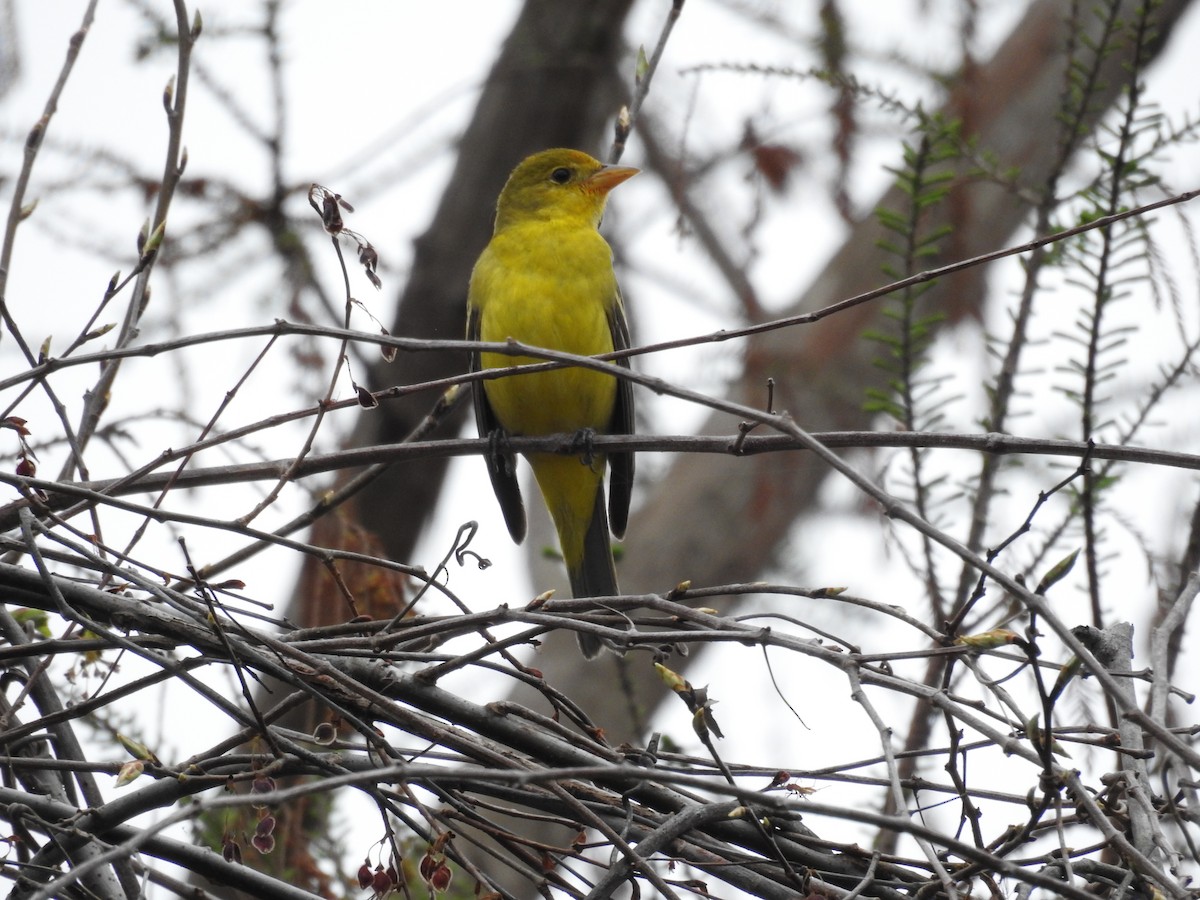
(620, 484)
(501, 464)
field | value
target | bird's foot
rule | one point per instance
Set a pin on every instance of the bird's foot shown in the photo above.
(583, 442)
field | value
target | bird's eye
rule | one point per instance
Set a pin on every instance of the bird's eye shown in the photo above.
(561, 175)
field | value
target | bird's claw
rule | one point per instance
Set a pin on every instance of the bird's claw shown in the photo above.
(583, 442)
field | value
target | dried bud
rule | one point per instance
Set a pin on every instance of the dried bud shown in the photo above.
(775, 163)
(369, 257)
(365, 398)
(388, 352)
(380, 883)
(36, 133)
(440, 881)
(263, 784)
(780, 777)
(325, 203)
(231, 851)
(427, 866)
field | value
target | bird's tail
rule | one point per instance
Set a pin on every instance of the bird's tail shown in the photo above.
(574, 494)
(595, 575)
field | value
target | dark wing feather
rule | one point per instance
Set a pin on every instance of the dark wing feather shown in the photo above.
(501, 464)
(620, 482)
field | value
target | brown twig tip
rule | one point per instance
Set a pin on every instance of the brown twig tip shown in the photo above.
(737, 448)
(643, 74)
(369, 257)
(329, 205)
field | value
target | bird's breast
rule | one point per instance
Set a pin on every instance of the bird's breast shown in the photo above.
(555, 294)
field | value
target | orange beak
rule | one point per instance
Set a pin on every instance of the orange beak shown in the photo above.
(605, 179)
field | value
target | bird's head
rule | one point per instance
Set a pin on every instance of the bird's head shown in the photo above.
(557, 184)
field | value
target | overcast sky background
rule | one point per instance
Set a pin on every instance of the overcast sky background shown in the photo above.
(378, 92)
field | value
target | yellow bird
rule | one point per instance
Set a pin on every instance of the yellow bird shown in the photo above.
(546, 279)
